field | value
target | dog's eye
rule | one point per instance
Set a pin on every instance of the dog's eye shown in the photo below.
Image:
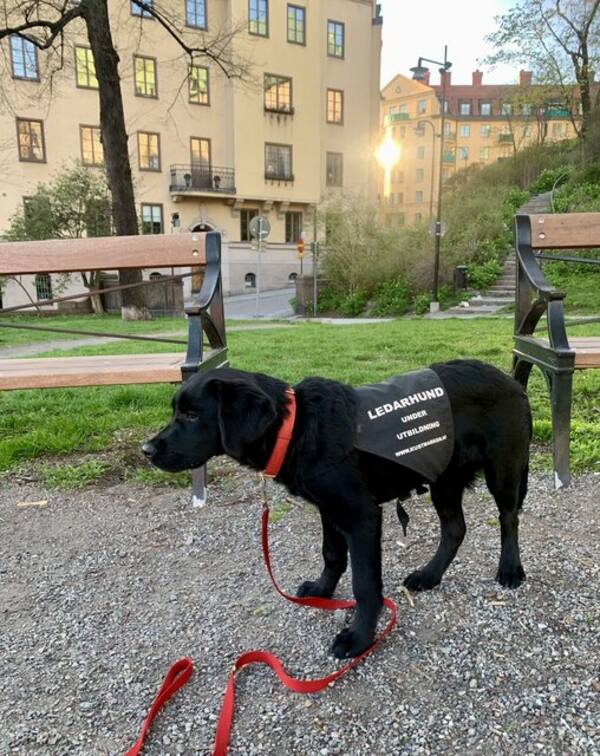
(189, 415)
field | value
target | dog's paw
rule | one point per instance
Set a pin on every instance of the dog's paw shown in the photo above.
(314, 588)
(350, 643)
(421, 580)
(510, 576)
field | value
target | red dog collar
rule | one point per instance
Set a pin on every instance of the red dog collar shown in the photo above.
(283, 438)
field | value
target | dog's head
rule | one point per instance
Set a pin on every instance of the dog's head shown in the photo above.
(218, 412)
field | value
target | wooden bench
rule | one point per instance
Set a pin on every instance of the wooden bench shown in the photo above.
(555, 354)
(204, 313)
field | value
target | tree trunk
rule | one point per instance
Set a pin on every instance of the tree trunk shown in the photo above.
(114, 138)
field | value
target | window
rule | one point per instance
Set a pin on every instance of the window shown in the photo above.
(335, 169)
(278, 93)
(446, 106)
(420, 175)
(195, 13)
(506, 108)
(137, 11)
(335, 39)
(419, 197)
(557, 129)
(145, 76)
(250, 281)
(200, 152)
(30, 136)
(447, 129)
(296, 24)
(526, 131)
(418, 217)
(485, 108)
(527, 109)
(148, 151)
(278, 162)
(393, 109)
(152, 219)
(403, 108)
(465, 108)
(245, 218)
(335, 106)
(484, 153)
(293, 227)
(485, 130)
(463, 153)
(258, 17)
(421, 106)
(43, 286)
(465, 130)
(198, 85)
(400, 196)
(23, 57)
(92, 152)
(420, 152)
(85, 68)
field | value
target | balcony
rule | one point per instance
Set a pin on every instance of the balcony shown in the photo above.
(199, 179)
(393, 117)
(505, 138)
(556, 112)
(449, 157)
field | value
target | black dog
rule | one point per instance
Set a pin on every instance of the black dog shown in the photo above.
(237, 413)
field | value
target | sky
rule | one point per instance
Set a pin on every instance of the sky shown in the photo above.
(413, 28)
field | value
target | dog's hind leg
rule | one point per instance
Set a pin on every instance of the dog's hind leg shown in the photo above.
(447, 500)
(508, 489)
(335, 555)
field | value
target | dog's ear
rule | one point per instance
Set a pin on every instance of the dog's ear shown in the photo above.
(245, 413)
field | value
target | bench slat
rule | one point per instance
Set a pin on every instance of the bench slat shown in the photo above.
(565, 231)
(103, 253)
(105, 370)
(587, 351)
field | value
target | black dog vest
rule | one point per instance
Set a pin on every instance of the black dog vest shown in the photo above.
(407, 419)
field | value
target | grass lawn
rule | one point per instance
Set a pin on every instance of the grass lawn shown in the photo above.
(43, 424)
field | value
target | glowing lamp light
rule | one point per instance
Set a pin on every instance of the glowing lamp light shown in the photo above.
(388, 153)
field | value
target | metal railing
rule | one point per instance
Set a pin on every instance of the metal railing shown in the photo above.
(197, 178)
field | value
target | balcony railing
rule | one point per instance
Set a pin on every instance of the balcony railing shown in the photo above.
(449, 157)
(558, 112)
(198, 178)
(393, 117)
(505, 138)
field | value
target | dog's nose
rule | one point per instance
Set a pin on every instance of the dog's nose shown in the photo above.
(148, 449)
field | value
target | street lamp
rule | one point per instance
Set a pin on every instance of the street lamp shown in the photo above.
(419, 73)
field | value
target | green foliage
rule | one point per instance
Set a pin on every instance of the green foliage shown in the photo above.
(74, 204)
(75, 476)
(482, 275)
(421, 303)
(392, 298)
(549, 178)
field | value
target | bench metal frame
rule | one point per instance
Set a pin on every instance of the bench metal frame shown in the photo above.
(555, 357)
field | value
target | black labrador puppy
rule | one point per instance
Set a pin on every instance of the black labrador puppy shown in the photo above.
(236, 413)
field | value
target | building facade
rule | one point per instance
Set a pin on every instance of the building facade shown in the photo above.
(207, 151)
(484, 123)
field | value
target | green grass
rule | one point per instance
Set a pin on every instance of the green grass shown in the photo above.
(43, 424)
(75, 476)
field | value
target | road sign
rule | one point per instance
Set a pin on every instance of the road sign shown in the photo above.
(259, 227)
(300, 247)
(431, 228)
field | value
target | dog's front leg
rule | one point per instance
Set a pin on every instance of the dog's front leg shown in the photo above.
(335, 556)
(364, 542)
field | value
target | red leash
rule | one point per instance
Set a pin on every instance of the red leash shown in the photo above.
(181, 671)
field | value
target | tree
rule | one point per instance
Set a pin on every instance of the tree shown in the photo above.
(75, 204)
(44, 24)
(560, 41)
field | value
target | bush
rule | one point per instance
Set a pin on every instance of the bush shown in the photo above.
(421, 303)
(392, 298)
(483, 275)
(550, 177)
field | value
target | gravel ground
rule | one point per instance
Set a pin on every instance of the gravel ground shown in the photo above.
(102, 589)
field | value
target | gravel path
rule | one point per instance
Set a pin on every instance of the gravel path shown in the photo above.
(102, 589)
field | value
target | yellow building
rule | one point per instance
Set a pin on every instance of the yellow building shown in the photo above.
(483, 123)
(207, 151)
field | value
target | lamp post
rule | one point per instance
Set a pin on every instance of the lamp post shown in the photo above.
(420, 131)
(419, 73)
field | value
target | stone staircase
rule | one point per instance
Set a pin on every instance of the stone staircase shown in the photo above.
(502, 293)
